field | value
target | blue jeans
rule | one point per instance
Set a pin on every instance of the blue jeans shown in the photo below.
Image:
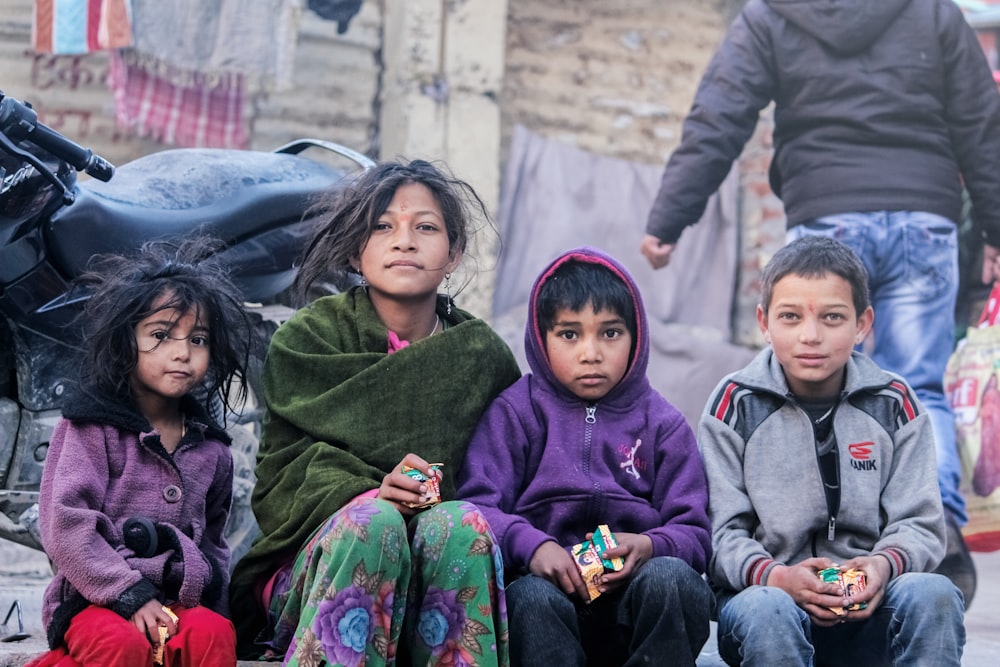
(920, 622)
(660, 618)
(912, 263)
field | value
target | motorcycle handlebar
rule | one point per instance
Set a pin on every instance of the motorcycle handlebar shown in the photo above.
(19, 122)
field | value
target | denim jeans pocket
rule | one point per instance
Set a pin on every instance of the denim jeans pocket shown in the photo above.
(930, 254)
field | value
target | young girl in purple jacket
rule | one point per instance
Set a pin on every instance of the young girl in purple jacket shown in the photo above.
(138, 479)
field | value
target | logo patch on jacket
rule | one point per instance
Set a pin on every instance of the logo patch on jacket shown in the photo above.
(631, 464)
(861, 455)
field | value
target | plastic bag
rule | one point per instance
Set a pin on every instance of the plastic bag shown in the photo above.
(972, 381)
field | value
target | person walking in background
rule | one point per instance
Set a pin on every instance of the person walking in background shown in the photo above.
(583, 441)
(138, 480)
(819, 462)
(349, 568)
(883, 110)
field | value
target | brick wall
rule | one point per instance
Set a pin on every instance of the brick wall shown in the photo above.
(618, 78)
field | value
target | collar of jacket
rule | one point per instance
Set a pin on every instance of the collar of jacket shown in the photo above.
(92, 406)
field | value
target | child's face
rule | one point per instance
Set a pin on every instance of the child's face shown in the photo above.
(173, 354)
(407, 254)
(813, 328)
(588, 351)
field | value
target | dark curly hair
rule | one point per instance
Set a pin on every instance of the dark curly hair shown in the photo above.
(123, 290)
(348, 214)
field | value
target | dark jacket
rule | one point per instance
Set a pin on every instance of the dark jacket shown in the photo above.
(883, 105)
(545, 465)
(105, 465)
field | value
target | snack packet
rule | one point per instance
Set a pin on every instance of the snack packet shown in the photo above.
(604, 540)
(589, 557)
(433, 484)
(851, 581)
(164, 636)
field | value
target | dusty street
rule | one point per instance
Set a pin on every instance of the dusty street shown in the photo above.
(24, 574)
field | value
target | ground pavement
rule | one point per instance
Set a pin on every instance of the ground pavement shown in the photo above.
(24, 574)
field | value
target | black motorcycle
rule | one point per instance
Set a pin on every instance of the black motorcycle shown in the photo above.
(51, 225)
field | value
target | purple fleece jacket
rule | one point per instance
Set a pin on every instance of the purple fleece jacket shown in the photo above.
(539, 471)
(105, 464)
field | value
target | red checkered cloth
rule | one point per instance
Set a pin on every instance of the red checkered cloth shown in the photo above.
(199, 112)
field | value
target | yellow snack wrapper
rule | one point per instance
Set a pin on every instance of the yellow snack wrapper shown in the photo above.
(591, 567)
(589, 557)
(164, 636)
(851, 581)
(433, 484)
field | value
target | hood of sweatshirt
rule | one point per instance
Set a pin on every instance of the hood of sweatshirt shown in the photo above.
(845, 26)
(634, 382)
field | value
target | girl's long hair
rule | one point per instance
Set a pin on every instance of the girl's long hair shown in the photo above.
(123, 291)
(347, 215)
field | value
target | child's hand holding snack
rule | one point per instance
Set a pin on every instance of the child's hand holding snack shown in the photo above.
(430, 484)
(551, 561)
(151, 617)
(409, 492)
(634, 549)
(810, 592)
(877, 573)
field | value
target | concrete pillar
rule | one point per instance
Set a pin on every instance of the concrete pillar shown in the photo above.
(443, 71)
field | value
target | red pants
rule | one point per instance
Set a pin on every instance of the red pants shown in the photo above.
(98, 637)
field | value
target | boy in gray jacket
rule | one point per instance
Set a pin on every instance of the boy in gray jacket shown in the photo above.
(817, 458)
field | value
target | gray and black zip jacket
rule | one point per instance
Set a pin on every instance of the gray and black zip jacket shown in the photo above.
(766, 496)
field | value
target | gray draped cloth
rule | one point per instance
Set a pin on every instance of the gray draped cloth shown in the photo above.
(555, 197)
(216, 39)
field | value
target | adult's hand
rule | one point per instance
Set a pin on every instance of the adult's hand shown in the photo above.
(656, 251)
(991, 264)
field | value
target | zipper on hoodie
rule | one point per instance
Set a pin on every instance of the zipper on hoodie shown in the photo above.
(588, 444)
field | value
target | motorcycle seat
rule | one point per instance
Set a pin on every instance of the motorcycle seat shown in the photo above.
(237, 196)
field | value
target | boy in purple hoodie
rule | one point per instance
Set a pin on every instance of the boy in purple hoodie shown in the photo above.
(585, 440)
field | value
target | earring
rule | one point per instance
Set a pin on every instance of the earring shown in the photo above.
(447, 291)
(364, 284)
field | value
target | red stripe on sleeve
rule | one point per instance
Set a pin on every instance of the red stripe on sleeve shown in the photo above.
(726, 400)
(907, 405)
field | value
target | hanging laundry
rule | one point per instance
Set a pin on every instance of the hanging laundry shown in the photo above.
(341, 11)
(200, 112)
(71, 27)
(255, 38)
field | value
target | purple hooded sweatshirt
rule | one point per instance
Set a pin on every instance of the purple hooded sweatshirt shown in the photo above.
(540, 469)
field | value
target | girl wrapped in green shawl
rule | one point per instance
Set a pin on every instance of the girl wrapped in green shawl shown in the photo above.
(352, 578)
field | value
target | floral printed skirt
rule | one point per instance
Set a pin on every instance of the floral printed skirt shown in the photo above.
(369, 590)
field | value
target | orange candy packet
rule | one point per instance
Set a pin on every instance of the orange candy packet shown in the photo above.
(433, 484)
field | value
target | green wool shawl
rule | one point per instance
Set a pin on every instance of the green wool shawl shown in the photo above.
(342, 413)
